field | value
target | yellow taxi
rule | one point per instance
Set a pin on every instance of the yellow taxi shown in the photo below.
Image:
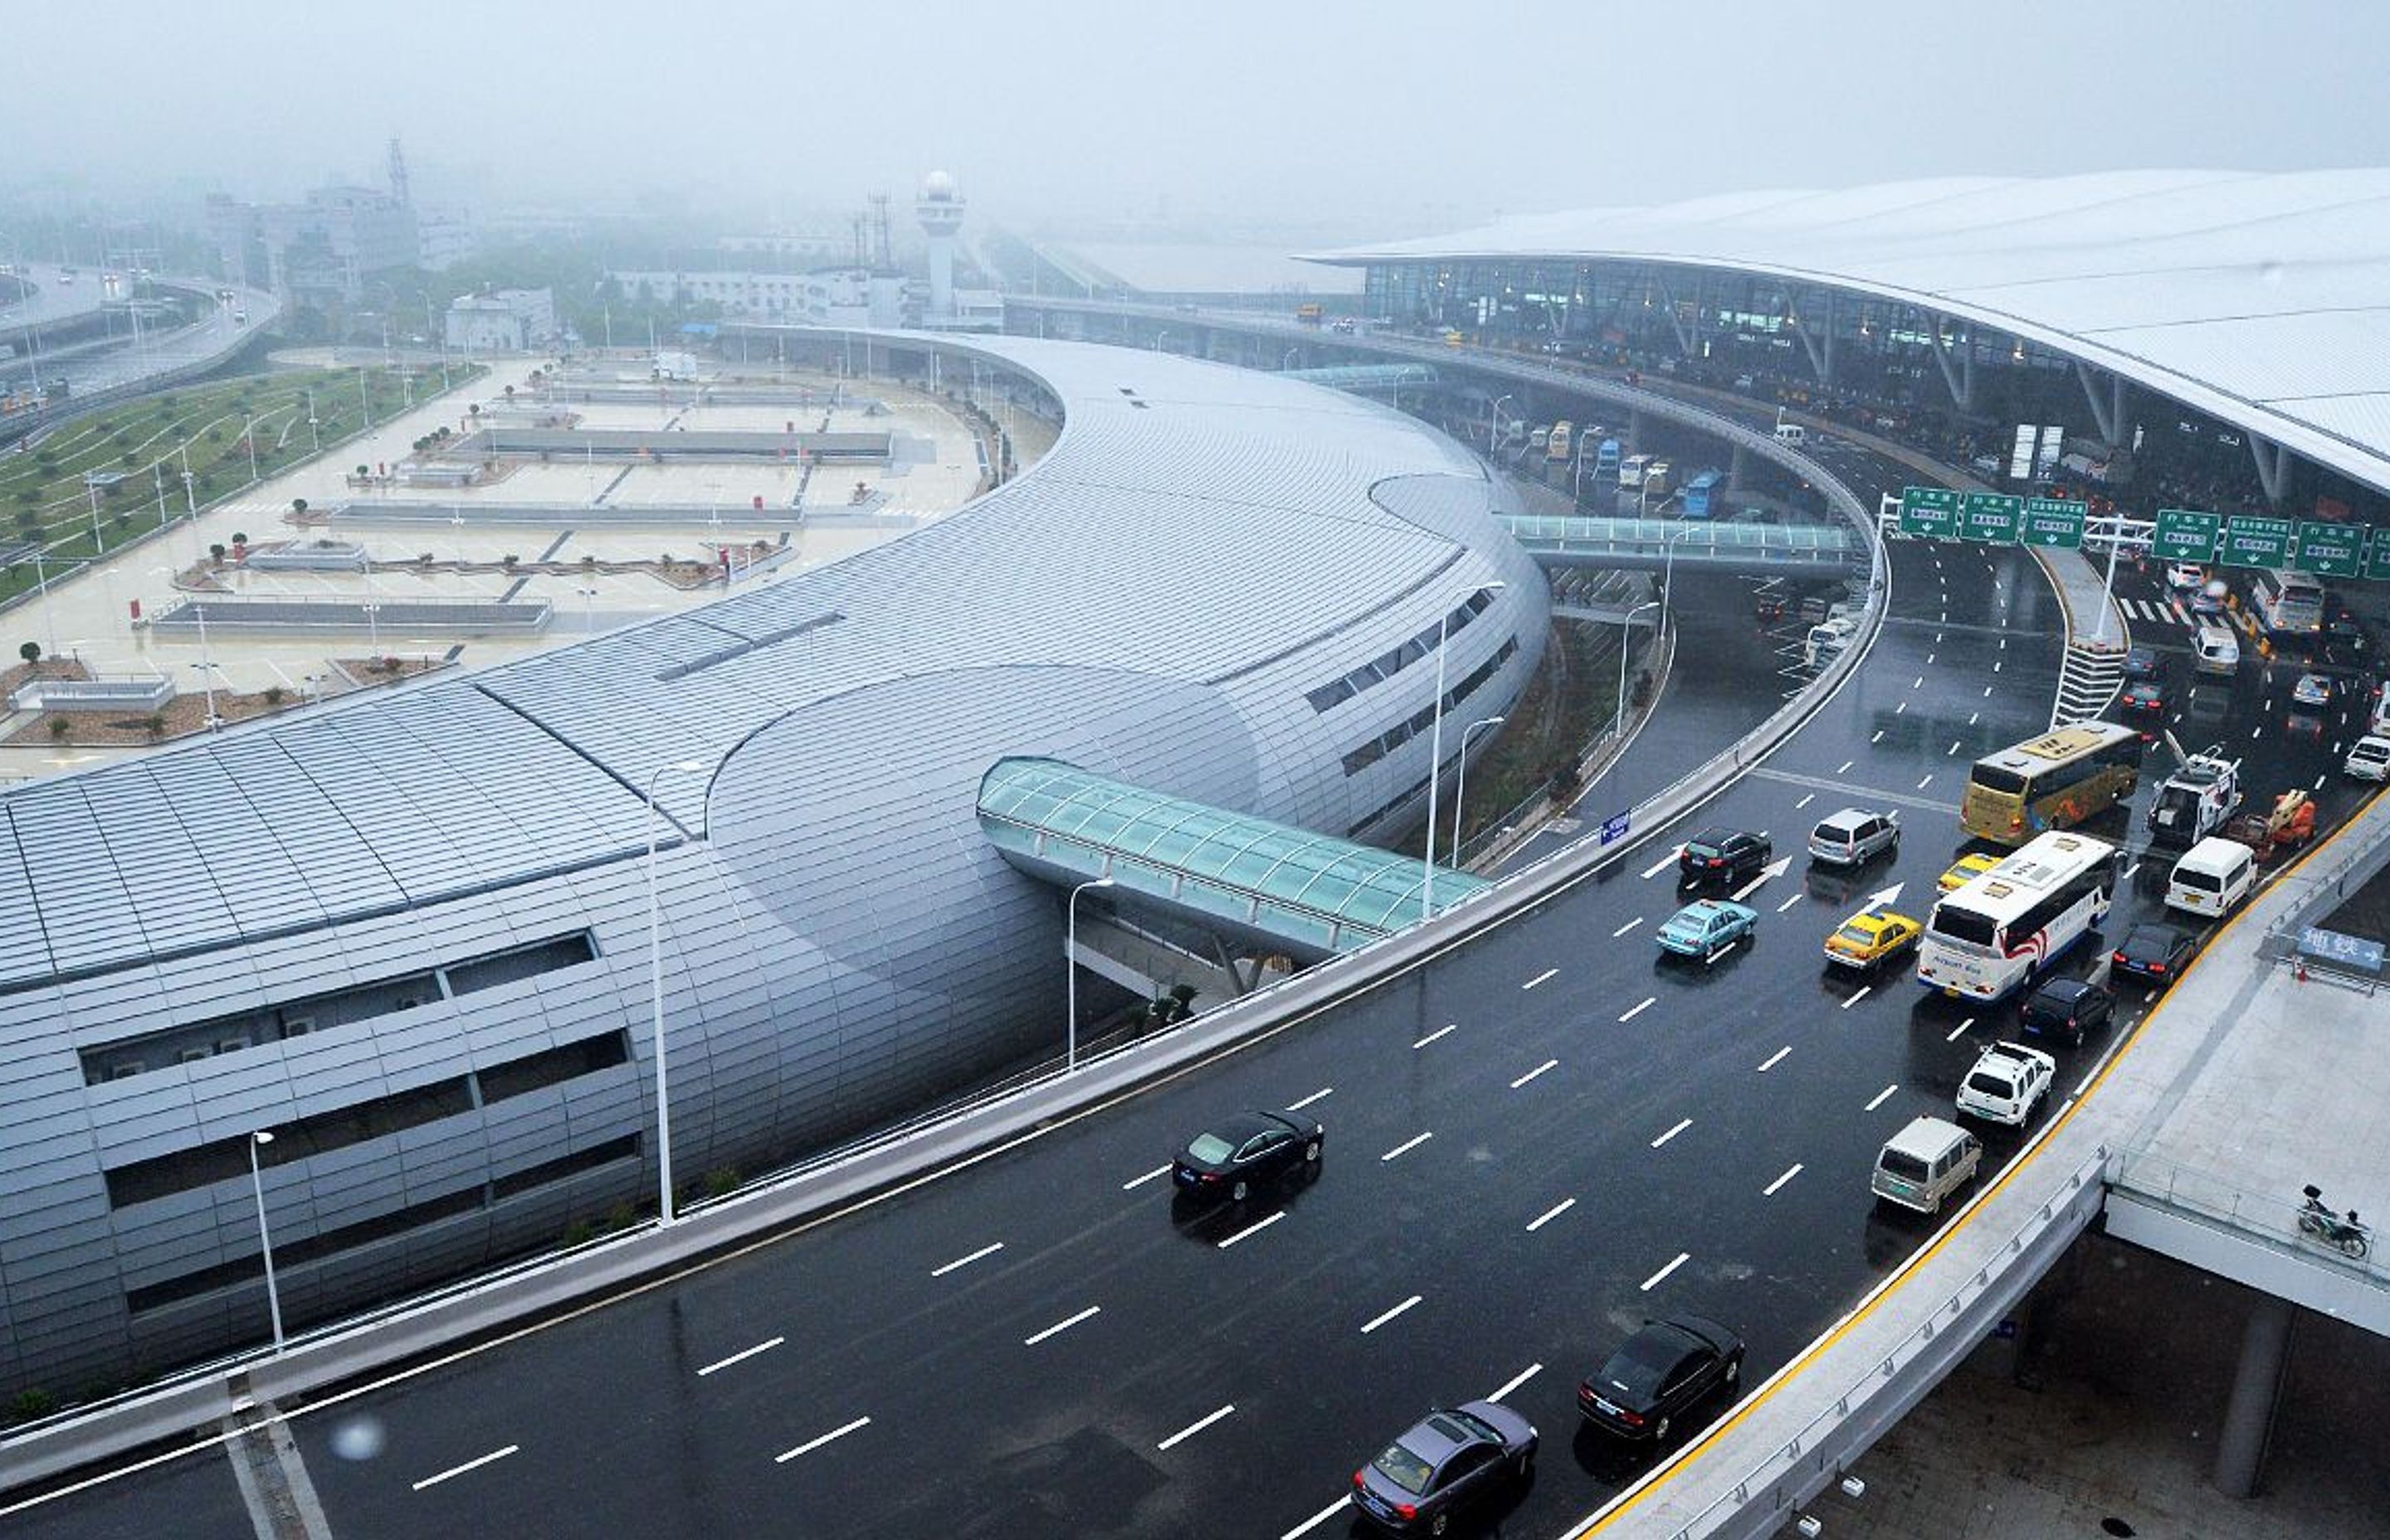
(1870, 936)
(1965, 871)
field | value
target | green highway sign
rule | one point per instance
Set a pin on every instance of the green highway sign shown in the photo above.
(2254, 542)
(2377, 560)
(2330, 550)
(1929, 512)
(2049, 521)
(2185, 534)
(1991, 517)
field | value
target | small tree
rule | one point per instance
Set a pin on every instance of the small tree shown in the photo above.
(59, 728)
(155, 724)
(298, 505)
(216, 553)
(364, 471)
(274, 695)
(238, 538)
(30, 652)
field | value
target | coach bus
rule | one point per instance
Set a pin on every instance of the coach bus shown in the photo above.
(2292, 604)
(1988, 938)
(2052, 781)
(1705, 494)
(1556, 448)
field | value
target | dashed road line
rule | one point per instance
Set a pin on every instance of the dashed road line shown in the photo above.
(1516, 1381)
(1341, 1504)
(1547, 1065)
(1662, 1276)
(1407, 1146)
(1960, 1030)
(1775, 1059)
(1157, 1171)
(1682, 1124)
(1789, 902)
(1174, 1440)
(1539, 977)
(1865, 989)
(1254, 1228)
(1649, 1002)
(1389, 1314)
(745, 1354)
(1063, 1325)
(474, 1464)
(1881, 1097)
(1299, 1106)
(1445, 1030)
(1773, 1187)
(1804, 801)
(1628, 926)
(1549, 1215)
(811, 1445)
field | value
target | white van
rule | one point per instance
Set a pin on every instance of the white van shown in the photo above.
(2217, 648)
(1827, 638)
(2211, 878)
(1791, 434)
(1924, 1163)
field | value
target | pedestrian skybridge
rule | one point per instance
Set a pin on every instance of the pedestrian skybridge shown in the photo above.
(1653, 544)
(1309, 896)
(1368, 378)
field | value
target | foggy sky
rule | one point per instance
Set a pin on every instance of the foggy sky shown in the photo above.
(1371, 121)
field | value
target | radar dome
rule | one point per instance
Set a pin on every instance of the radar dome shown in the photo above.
(938, 187)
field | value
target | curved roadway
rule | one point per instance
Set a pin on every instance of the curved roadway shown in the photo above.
(1534, 1143)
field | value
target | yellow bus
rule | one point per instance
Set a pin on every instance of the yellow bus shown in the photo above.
(1556, 448)
(2053, 781)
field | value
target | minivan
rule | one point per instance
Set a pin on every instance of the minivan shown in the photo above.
(1924, 1163)
(1853, 836)
(1791, 434)
(1827, 638)
(2212, 877)
(2218, 651)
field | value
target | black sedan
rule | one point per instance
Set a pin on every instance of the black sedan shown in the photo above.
(2155, 954)
(1722, 854)
(2142, 662)
(2143, 698)
(1240, 1153)
(1657, 1374)
(1450, 1458)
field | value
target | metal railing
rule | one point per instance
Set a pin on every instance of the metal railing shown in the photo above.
(2266, 1218)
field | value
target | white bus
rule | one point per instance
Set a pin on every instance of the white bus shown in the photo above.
(1631, 469)
(1990, 937)
(2292, 605)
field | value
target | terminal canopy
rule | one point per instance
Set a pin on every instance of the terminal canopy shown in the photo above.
(1313, 895)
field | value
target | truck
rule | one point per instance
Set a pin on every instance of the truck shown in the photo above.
(2196, 800)
(1309, 312)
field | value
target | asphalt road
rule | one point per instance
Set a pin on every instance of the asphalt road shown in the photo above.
(1532, 1145)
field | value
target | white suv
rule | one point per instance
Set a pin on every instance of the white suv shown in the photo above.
(2007, 1084)
(2368, 759)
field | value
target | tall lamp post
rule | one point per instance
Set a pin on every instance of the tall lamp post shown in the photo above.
(1435, 752)
(1494, 426)
(257, 1141)
(1070, 967)
(1460, 776)
(656, 993)
(1626, 634)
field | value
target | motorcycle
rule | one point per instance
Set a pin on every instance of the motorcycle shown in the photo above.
(2351, 1236)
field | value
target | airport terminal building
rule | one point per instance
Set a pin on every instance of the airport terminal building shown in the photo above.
(408, 936)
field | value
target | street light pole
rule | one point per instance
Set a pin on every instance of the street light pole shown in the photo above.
(99, 544)
(1626, 634)
(1494, 426)
(1070, 967)
(1435, 755)
(207, 667)
(264, 1239)
(656, 995)
(1460, 776)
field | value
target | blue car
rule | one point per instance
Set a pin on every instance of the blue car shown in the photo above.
(1708, 929)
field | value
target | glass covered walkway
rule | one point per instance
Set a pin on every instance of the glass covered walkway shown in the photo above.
(1312, 895)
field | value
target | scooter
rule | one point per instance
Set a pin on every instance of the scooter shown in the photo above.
(2351, 1236)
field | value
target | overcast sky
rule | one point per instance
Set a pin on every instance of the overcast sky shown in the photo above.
(1369, 119)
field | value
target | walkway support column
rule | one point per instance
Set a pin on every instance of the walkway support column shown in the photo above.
(2256, 1389)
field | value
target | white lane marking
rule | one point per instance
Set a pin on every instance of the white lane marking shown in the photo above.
(2129, 871)
(1878, 737)
(1789, 902)
(1389, 1314)
(1900, 708)
(1539, 977)
(1960, 1030)
(1060, 1326)
(1926, 782)
(1881, 1097)
(1954, 748)
(1516, 1381)
(1918, 683)
(1663, 864)
(2319, 785)
(1628, 926)
(1174, 1440)
(1775, 1059)
(469, 1465)
(1649, 1002)
(1845, 766)
(1445, 1030)
(1407, 1146)
(1342, 1504)
(2255, 731)
(1547, 1064)
(1549, 1215)
(988, 1250)
(1937, 638)
(811, 1445)
(1682, 1124)
(1254, 1228)
(1804, 801)
(1662, 1276)
(1772, 1189)
(1299, 1106)
(742, 1354)
(1987, 692)
(1865, 989)
(1928, 662)
(1157, 1171)
(1995, 664)
(1971, 717)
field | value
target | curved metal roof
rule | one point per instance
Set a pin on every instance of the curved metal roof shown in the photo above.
(2262, 299)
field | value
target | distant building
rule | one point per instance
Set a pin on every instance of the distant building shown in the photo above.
(797, 251)
(510, 320)
(445, 237)
(762, 296)
(319, 250)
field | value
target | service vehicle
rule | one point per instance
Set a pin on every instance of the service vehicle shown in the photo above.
(1870, 937)
(2007, 1084)
(2368, 759)
(1854, 836)
(1658, 1374)
(2195, 800)
(1708, 929)
(2053, 781)
(1966, 869)
(1991, 937)
(1924, 1163)
(2066, 1008)
(1235, 1158)
(2212, 877)
(1309, 312)
(1452, 1458)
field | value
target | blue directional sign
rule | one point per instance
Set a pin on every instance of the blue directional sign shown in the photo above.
(2350, 953)
(1614, 828)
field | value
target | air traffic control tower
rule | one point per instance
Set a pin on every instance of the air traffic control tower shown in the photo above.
(940, 210)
